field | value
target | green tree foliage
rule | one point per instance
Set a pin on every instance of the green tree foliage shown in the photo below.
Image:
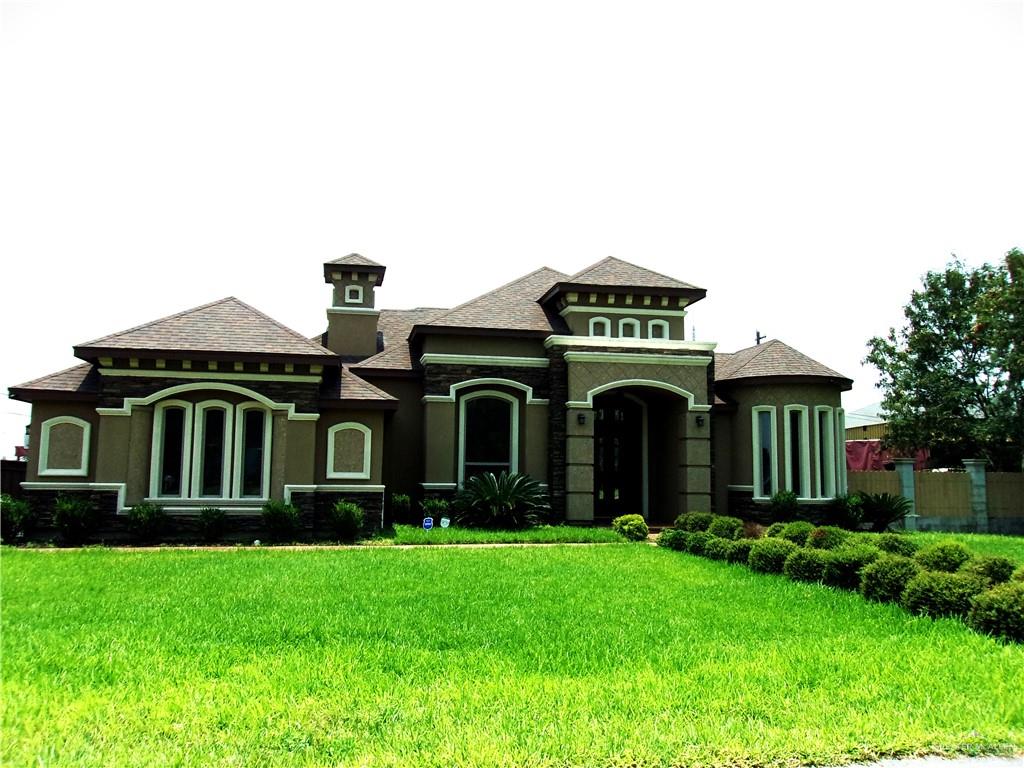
(953, 376)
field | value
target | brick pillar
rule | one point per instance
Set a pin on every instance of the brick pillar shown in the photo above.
(905, 472)
(979, 492)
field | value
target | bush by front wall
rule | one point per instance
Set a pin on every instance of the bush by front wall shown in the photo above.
(945, 556)
(694, 521)
(884, 580)
(213, 522)
(1000, 612)
(673, 538)
(896, 544)
(280, 520)
(17, 518)
(797, 532)
(826, 537)
(739, 551)
(75, 517)
(148, 522)
(806, 565)
(769, 555)
(718, 548)
(726, 527)
(774, 530)
(346, 519)
(697, 541)
(632, 527)
(995, 570)
(938, 593)
(844, 565)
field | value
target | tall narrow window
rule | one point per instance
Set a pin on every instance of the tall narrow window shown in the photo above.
(826, 465)
(252, 450)
(798, 473)
(489, 434)
(212, 452)
(172, 427)
(764, 457)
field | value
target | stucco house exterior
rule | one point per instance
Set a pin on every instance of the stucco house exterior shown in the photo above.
(585, 381)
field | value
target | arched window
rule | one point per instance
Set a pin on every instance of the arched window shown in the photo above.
(600, 326)
(765, 451)
(252, 451)
(348, 451)
(488, 433)
(172, 439)
(211, 449)
(657, 329)
(629, 328)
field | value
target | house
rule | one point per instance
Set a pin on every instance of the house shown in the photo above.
(585, 381)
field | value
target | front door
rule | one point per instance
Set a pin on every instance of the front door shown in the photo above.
(618, 457)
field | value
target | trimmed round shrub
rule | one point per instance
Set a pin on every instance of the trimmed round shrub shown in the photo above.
(845, 564)
(826, 537)
(75, 517)
(945, 556)
(673, 538)
(147, 522)
(739, 551)
(697, 541)
(769, 555)
(1000, 612)
(694, 521)
(17, 518)
(718, 548)
(280, 520)
(806, 564)
(1018, 575)
(884, 580)
(632, 527)
(213, 523)
(346, 520)
(783, 505)
(774, 530)
(938, 593)
(995, 570)
(726, 527)
(797, 532)
(895, 544)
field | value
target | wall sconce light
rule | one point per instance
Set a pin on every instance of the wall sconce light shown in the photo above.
(581, 418)
(700, 421)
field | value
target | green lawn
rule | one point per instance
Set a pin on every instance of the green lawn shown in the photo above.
(545, 534)
(980, 543)
(564, 656)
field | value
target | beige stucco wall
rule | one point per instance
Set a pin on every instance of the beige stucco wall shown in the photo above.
(44, 410)
(403, 435)
(579, 323)
(588, 375)
(440, 447)
(484, 345)
(351, 333)
(372, 419)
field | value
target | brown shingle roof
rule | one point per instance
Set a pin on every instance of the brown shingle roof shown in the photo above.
(773, 358)
(514, 306)
(225, 326)
(350, 387)
(616, 272)
(77, 381)
(396, 325)
(356, 260)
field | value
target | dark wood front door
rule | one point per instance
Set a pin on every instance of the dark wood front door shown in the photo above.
(618, 457)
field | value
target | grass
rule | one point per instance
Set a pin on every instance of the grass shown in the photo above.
(545, 534)
(993, 544)
(565, 656)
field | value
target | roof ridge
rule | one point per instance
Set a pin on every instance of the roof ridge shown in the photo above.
(495, 290)
(28, 384)
(758, 351)
(158, 320)
(635, 266)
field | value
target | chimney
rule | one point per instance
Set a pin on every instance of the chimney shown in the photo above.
(351, 318)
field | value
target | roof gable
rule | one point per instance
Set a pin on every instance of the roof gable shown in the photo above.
(79, 380)
(615, 272)
(772, 358)
(227, 326)
(356, 260)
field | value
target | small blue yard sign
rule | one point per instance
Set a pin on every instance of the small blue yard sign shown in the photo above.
(428, 523)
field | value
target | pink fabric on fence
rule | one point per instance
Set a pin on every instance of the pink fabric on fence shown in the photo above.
(869, 456)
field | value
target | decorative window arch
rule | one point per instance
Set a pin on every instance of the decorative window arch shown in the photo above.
(629, 328)
(657, 329)
(765, 451)
(64, 447)
(353, 294)
(171, 457)
(600, 326)
(355, 456)
(211, 449)
(253, 429)
(488, 433)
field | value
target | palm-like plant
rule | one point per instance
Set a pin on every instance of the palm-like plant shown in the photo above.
(508, 500)
(881, 510)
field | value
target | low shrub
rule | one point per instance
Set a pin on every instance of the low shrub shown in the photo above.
(346, 520)
(147, 522)
(845, 564)
(697, 542)
(783, 505)
(939, 593)
(508, 500)
(769, 555)
(797, 532)
(843, 511)
(280, 520)
(995, 570)
(632, 527)
(75, 517)
(806, 565)
(435, 508)
(945, 556)
(773, 530)
(726, 527)
(694, 521)
(1000, 612)
(673, 538)
(17, 518)
(884, 580)
(718, 548)
(400, 506)
(826, 537)
(213, 523)
(739, 551)
(880, 510)
(1018, 575)
(897, 544)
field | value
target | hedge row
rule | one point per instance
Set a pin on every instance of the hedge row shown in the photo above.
(944, 579)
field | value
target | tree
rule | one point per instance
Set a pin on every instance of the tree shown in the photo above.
(953, 376)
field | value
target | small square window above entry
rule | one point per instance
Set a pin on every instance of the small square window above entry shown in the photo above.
(354, 294)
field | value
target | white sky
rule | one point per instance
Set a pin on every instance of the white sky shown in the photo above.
(806, 162)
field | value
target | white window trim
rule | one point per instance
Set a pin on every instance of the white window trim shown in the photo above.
(607, 324)
(364, 474)
(755, 433)
(840, 442)
(514, 416)
(826, 447)
(805, 449)
(44, 448)
(197, 449)
(156, 452)
(663, 324)
(632, 322)
(644, 456)
(268, 428)
(357, 298)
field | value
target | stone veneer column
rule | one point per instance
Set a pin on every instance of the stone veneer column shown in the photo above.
(696, 461)
(979, 492)
(905, 472)
(579, 465)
